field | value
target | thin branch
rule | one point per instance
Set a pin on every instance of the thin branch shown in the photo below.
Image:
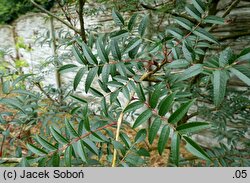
(233, 5)
(45, 93)
(230, 8)
(56, 17)
(165, 60)
(56, 60)
(119, 124)
(64, 12)
(18, 160)
(80, 14)
(81, 137)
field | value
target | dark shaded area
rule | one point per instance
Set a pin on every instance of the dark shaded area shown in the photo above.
(12, 9)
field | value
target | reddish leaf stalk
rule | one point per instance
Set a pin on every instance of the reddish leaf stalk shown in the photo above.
(81, 137)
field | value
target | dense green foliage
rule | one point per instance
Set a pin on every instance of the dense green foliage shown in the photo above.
(158, 81)
(12, 9)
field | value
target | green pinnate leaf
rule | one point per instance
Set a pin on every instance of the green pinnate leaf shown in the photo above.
(95, 92)
(78, 78)
(6, 87)
(91, 146)
(180, 112)
(140, 93)
(244, 55)
(184, 23)
(143, 25)
(163, 139)
(117, 17)
(134, 53)
(220, 78)
(165, 104)
(154, 128)
(155, 96)
(67, 67)
(58, 137)
(133, 106)
(124, 137)
(132, 21)
(195, 149)
(13, 103)
(45, 143)
(176, 32)
(225, 56)
(191, 10)
(133, 44)
(79, 99)
(175, 149)
(36, 150)
(214, 20)
(118, 34)
(68, 156)
(140, 136)
(205, 35)
(86, 123)
(105, 73)
(143, 117)
(192, 127)
(102, 53)
(89, 55)
(90, 77)
(177, 64)
(55, 160)
(24, 92)
(188, 52)
(199, 5)
(240, 75)
(118, 145)
(21, 78)
(79, 58)
(143, 152)
(81, 151)
(70, 128)
(115, 50)
(191, 72)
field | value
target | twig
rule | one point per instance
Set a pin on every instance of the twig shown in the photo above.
(64, 12)
(56, 17)
(45, 93)
(56, 61)
(81, 137)
(119, 123)
(165, 60)
(234, 4)
(80, 14)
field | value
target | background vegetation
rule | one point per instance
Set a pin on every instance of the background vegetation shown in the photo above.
(12, 9)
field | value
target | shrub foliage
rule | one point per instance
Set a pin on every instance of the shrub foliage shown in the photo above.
(152, 83)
